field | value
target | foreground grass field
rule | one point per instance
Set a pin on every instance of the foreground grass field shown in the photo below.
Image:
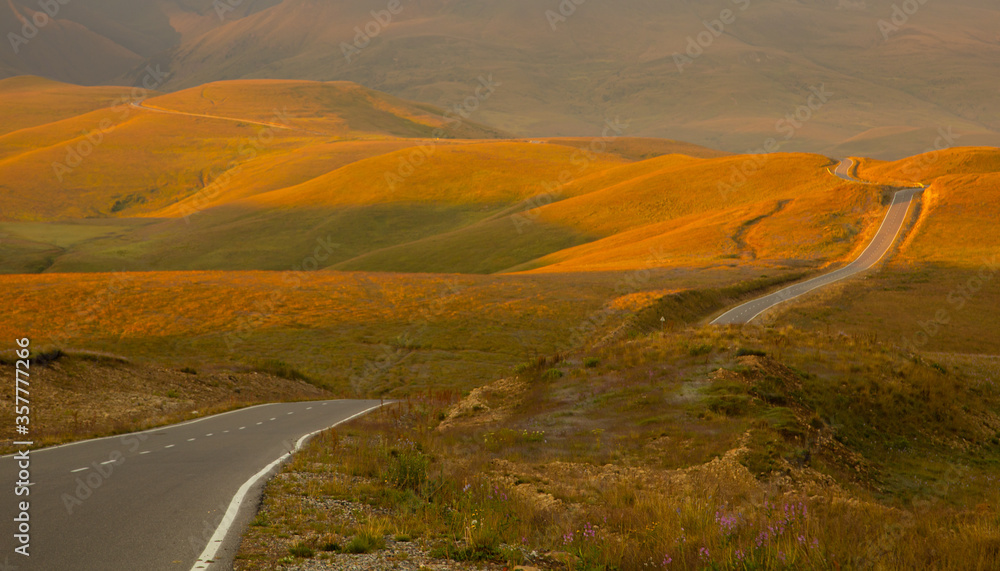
(699, 449)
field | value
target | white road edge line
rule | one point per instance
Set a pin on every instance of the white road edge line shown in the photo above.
(207, 556)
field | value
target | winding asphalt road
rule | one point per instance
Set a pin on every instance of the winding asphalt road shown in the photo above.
(876, 250)
(173, 498)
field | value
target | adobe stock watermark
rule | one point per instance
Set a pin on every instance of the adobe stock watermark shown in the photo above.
(957, 299)
(30, 27)
(697, 44)
(77, 152)
(563, 12)
(455, 118)
(787, 127)
(946, 139)
(363, 35)
(582, 159)
(900, 17)
(99, 472)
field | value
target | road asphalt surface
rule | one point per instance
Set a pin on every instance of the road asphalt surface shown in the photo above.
(160, 499)
(876, 250)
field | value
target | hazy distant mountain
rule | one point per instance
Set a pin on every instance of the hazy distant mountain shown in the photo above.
(724, 73)
(98, 41)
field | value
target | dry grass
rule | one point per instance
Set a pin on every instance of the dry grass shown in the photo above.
(474, 172)
(139, 171)
(640, 461)
(791, 210)
(369, 333)
(31, 101)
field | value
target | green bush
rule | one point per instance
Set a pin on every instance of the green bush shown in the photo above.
(364, 543)
(552, 374)
(281, 369)
(729, 405)
(407, 468)
(698, 350)
(46, 357)
(743, 352)
(591, 362)
(301, 550)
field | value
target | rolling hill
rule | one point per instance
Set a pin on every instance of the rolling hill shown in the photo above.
(263, 174)
(893, 80)
(92, 43)
(104, 156)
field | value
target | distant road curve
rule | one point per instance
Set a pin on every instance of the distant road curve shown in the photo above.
(892, 224)
(142, 105)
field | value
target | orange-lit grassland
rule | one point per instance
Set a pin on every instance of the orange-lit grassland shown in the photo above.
(110, 149)
(217, 193)
(31, 101)
(354, 332)
(579, 220)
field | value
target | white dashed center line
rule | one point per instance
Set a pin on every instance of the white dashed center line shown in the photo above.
(78, 470)
(144, 452)
(106, 462)
(169, 446)
(209, 434)
(242, 427)
(272, 419)
(190, 439)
